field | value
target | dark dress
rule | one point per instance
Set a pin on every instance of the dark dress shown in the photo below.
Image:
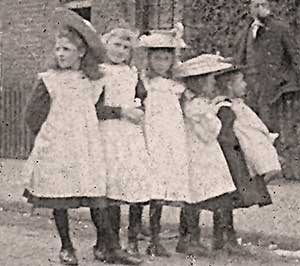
(250, 190)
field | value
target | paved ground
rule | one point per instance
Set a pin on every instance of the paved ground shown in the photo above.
(32, 241)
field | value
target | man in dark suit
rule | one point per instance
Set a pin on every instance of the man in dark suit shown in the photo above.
(267, 45)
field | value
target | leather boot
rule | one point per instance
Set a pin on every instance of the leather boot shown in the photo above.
(184, 237)
(195, 247)
(68, 257)
(119, 256)
(231, 245)
(114, 216)
(218, 230)
(156, 248)
(134, 228)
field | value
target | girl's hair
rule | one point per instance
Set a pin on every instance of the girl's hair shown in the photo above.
(89, 63)
(197, 83)
(149, 69)
(224, 80)
(125, 35)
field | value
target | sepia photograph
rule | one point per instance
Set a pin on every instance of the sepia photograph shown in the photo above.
(150, 132)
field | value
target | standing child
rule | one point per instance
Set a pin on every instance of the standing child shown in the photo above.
(67, 164)
(121, 116)
(209, 176)
(250, 154)
(164, 132)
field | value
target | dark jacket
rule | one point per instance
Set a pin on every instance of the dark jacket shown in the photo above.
(275, 58)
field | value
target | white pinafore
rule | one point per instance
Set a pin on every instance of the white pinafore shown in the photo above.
(67, 159)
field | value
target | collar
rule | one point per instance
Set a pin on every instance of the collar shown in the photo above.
(257, 23)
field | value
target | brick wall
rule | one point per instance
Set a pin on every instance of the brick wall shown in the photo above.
(26, 40)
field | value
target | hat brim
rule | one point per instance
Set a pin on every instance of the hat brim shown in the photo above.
(183, 72)
(157, 41)
(66, 17)
(235, 68)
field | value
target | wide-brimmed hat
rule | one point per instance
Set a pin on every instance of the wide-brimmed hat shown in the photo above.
(164, 38)
(205, 64)
(66, 17)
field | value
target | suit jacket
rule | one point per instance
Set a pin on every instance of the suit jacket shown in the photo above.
(275, 67)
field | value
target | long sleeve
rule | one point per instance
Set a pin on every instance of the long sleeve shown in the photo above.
(141, 93)
(37, 107)
(105, 112)
(227, 118)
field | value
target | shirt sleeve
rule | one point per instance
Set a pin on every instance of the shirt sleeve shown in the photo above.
(105, 112)
(37, 107)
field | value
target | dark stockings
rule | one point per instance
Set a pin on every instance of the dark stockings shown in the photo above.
(98, 218)
(62, 225)
(135, 222)
(155, 217)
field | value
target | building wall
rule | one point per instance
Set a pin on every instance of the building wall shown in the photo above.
(26, 41)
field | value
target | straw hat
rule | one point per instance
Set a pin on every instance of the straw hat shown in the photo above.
(66, 17)
(164, 38)
(203, 64)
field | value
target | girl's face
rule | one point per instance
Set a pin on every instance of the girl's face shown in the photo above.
(238, 86)
(161, 61)
(67, 54)
(118, 50)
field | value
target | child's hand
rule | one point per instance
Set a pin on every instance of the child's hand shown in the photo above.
(273, 137)
(134, 115)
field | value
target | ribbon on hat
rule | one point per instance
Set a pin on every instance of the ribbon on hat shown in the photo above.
(178, 32)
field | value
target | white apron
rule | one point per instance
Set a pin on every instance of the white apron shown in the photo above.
(128, 164)
(255, 139)
(67, 159)
(208, 170)
(166, 139)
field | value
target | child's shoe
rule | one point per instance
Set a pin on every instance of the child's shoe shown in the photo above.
(195, 248)
(68, 257)
(183, 244)
(99, 253)
(133, 249)
(157, 250)
(119, 256)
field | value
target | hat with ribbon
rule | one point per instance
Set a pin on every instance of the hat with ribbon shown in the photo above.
(164, 38)
(63, 17)
(201, 65)
(206, 64)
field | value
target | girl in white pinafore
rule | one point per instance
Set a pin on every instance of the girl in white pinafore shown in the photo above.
(121, 115)
(67, 166)
(209, 175)
(164, 128)
(128, 165)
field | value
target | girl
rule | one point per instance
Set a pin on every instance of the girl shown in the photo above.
(250, 154)
(120, 111)
(250, 189)
(66, 164)
(164, 131)
(209, 175)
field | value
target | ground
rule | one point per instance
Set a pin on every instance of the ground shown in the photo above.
(31, 240)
